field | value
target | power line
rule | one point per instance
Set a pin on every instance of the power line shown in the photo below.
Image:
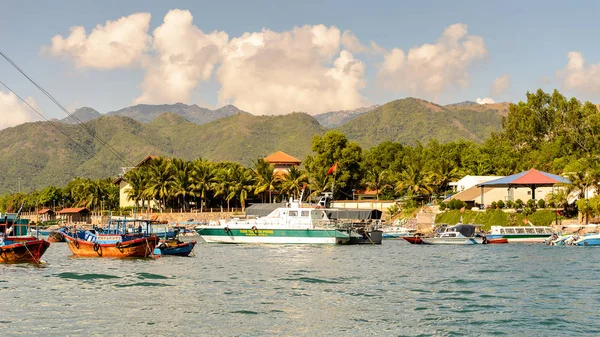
(47, 94)
(54, 125)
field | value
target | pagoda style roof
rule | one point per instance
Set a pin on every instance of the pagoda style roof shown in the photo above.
(280, 157)
(529, 178)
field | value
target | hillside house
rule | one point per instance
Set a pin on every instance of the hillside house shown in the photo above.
(124, 186)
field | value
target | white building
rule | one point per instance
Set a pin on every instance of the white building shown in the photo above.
(469, 181)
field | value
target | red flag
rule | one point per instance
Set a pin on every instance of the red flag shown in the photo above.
(332, 169)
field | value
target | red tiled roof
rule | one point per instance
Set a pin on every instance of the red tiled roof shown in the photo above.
(280, 157)
(145, 160)
(73, 210)
(45, 210)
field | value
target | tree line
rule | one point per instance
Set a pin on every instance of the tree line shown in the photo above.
(547, 131)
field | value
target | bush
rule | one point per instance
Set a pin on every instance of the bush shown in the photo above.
(456, 204)
(443, 206)
(500, 204)
(528, 210)
(518, 203)
(531, 203)
(541, 203)
(510, 204)
(493, 205)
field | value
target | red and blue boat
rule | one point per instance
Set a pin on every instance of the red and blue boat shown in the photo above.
(119, 239)
(17, 245)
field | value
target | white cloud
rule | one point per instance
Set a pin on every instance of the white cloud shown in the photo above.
(117, 44)
(303, 69)
(485, 100)
(431, 69)
(186, 56)
(351, 43)
(580, 77)
(13, 112)
(500, 85)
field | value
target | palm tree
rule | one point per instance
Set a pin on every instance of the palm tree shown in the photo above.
(266, 179)
(160, 180)
(242, 183)
(444, 172)
(414, 181)
(137, 180)
(182, 182)
(375, 179)
(318, 183)
(223, 181)
(203, 178)
(294, 181)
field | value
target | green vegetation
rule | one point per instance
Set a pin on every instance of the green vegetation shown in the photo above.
(548, 132)
(497, 217)
(411, 120)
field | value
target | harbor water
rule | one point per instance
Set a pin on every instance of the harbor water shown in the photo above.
(394, 289)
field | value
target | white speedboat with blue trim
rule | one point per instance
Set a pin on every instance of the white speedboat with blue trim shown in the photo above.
(455, 235)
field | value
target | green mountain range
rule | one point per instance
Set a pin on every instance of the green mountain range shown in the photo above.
(40, 154)
(410, 120)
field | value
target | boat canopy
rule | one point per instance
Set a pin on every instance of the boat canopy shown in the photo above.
(262, 210)
(466, 230)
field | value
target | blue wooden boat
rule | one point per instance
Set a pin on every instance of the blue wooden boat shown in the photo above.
(176, 247)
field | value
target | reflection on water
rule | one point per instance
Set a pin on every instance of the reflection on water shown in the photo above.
(392, 289)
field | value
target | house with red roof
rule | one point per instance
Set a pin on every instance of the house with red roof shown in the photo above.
(75, 215)
(46, 214)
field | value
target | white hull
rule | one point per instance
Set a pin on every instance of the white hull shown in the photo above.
(527, 240)
(450, 241)
(267, 239)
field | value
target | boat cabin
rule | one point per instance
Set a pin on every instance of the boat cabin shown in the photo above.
(542, 230)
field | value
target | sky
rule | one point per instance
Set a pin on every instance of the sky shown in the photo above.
(276, 57)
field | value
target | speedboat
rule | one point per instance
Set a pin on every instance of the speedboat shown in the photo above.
(455, 235)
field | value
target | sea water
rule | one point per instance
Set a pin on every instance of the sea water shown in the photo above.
(395, 289)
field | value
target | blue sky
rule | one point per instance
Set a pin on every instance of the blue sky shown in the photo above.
(523, 45)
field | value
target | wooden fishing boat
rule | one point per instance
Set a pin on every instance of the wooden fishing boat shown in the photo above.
(110, 245)
(56, 236)
(23, 251)
(495, 241)
(17, 245)
(176, 247)
(415, 240)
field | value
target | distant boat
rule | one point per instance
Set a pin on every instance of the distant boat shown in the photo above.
(16, 242)
(524, 234)
(397, 232)
(455, 235)
(176, 247)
